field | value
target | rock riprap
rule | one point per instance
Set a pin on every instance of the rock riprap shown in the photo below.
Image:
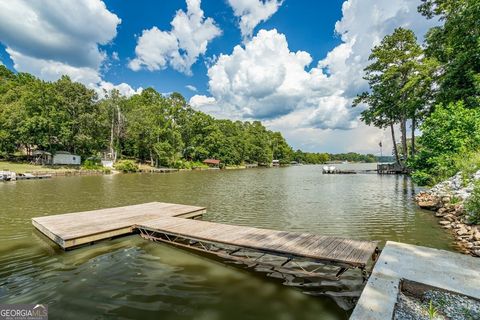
(446, 200)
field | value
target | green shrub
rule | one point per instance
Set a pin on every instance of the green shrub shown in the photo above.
(198, 164)
(450, 137)
(472, 205)
(92, 164)
(126, 166)
(422, 178)
(468, 164)
(181, 164)
(455, 200)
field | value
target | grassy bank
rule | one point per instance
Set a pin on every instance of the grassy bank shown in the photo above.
(27, 167)
(22, 167)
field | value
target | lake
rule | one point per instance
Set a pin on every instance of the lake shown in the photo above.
(131, 278)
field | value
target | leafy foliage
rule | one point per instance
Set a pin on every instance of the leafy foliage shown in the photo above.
(126, 166)
(317, 158)
(456, 46)
(399, 85)
(449, 135)
(91, 164)
(432, 310)
(472, 205)
(149, 127)
(406, 81)
(161, 130)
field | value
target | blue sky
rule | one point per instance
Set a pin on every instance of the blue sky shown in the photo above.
(294, 64)
(311, 30)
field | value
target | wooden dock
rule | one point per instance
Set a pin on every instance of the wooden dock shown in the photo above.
(306, 245)
(338, 171)
(29, 176)
(302, 253)
(74, 229)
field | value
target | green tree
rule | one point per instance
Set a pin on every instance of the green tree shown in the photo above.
(456, 46)
(163, 130)
(259, 144)
(280, 148)
(75, 110)
(393, 96)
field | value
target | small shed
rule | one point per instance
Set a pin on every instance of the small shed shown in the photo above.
(212, 162)
(107, 163)
(63, 157)
(42, 157)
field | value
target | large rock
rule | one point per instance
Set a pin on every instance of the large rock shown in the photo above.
(428, 201)
(462, 231)
(476, 235)
(450, 217)
(458, 210)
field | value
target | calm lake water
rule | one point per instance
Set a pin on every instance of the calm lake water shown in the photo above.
(131, 278)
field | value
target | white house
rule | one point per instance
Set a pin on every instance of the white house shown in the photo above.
(62, 157)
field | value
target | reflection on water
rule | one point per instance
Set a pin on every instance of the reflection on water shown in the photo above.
(131, 278)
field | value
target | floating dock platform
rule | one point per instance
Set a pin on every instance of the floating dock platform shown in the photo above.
(175, 224)
(74, 229)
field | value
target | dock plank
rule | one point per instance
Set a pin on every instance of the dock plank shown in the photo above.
(76, 228)
(73, 229)
(311, 246)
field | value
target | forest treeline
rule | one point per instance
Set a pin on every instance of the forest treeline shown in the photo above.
(434, 87)
(147, 127)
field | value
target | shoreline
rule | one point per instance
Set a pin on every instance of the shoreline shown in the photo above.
(446, 200)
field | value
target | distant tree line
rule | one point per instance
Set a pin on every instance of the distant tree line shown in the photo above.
(148, 127)
(317, 158)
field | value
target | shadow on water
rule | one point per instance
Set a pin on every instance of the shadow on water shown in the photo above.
(130, 278)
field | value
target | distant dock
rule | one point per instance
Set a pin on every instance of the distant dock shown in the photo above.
(175, 224)
(334, 170)
(382, 168)
(12, 176)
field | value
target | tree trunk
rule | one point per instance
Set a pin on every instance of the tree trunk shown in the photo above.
(403, 127)
(414, 124)
(395, 150)
(111, 135)
(119, 129)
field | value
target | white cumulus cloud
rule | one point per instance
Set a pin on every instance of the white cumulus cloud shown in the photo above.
(191, 88)
(52, 70)
(51, 38)
(252, 12)
(263, 79)
(209, 105)
(67, 32)
(123, 88)
(181, 47)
